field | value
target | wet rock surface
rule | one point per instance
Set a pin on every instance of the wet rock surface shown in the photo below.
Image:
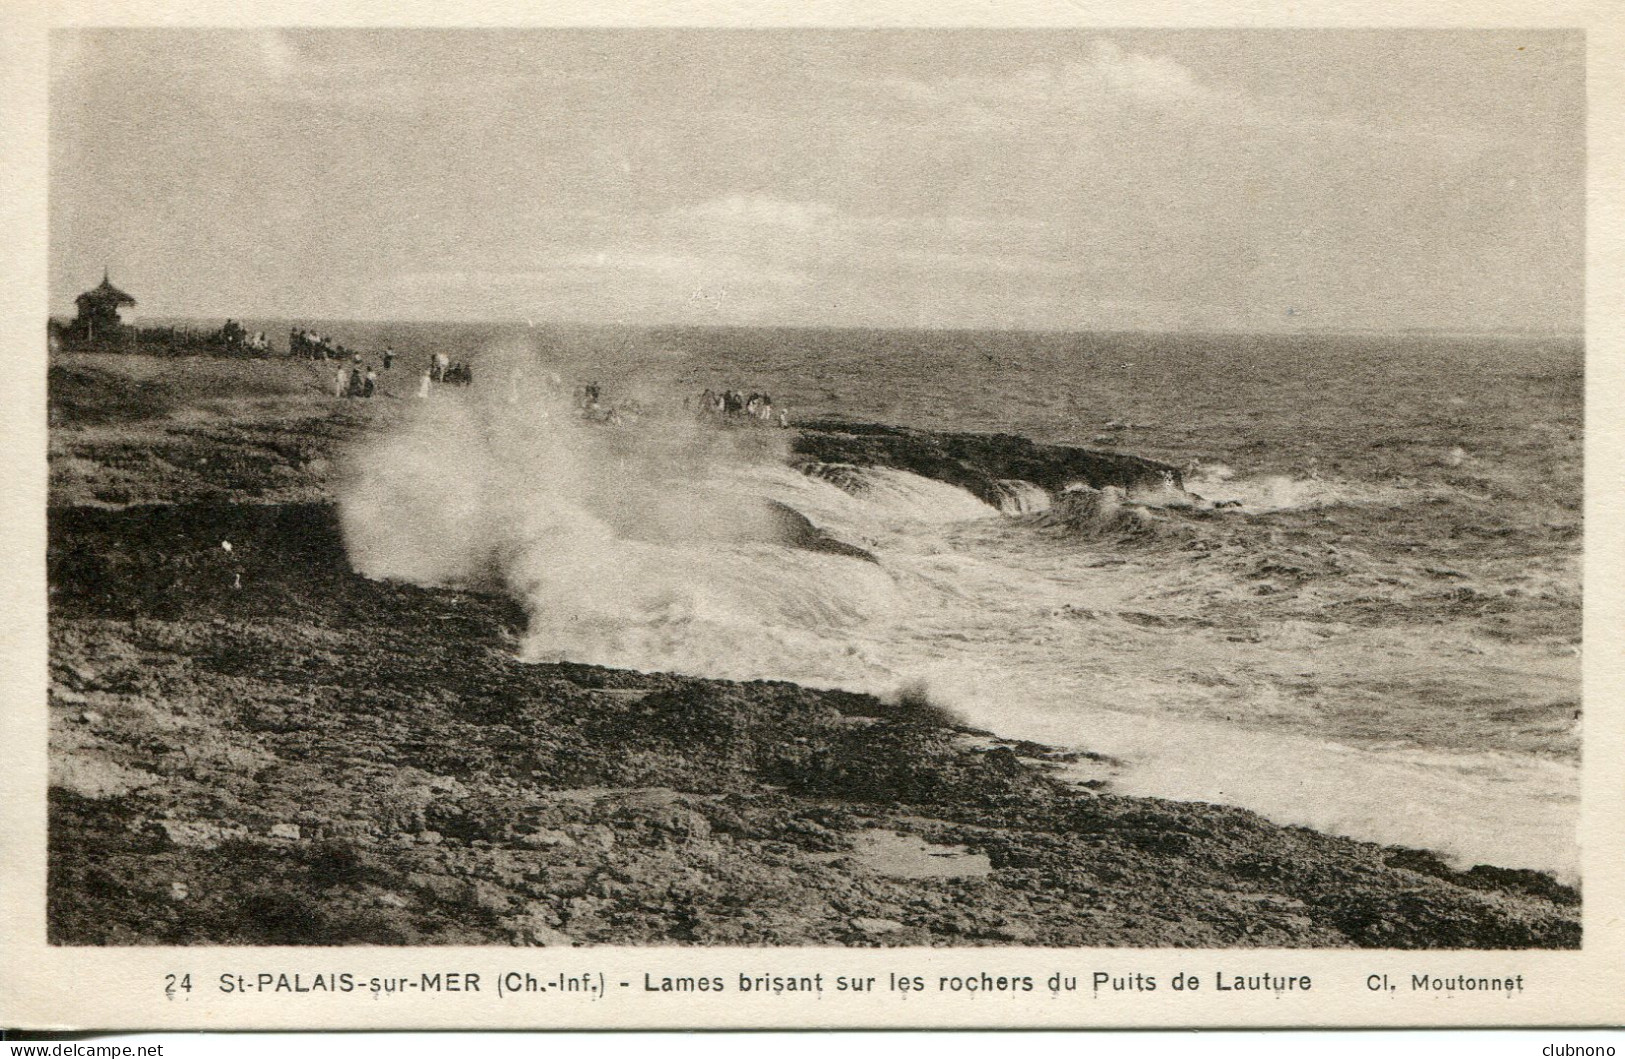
(258, 746)
(981, 464)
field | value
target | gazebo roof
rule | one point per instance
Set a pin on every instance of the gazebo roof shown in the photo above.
(106, 292)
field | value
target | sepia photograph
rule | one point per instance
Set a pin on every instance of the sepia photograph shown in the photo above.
(581, 517)
(1065, 488)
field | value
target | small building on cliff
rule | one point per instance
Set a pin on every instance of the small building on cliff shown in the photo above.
(99, 310)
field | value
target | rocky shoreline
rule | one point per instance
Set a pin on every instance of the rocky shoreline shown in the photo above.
(259, 746)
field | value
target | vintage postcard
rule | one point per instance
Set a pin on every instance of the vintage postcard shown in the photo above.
(548, 518)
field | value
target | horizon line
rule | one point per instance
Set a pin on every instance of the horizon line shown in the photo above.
(1551, 330)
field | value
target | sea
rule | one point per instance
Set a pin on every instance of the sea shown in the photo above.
(1370, 624)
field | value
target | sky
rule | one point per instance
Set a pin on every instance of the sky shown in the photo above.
(1041, 179)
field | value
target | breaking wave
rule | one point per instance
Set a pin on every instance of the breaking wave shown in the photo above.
(1106, 512)
(661, 545)
(1219, 486)
(902, 496)
(1018, 497)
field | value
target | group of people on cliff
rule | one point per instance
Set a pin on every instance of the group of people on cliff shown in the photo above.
(304, 342)
(441, 369)
(594, 406)
(234, 335)
(358, 380)
(757, 407)
(354, 380)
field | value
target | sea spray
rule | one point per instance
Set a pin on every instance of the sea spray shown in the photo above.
(1220, 486)
(907, 497)
(1100, 513)
(1469, 807)
(644, 545)
(1019, 497)
(639, 544)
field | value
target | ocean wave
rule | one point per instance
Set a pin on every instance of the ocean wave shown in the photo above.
(901, 496)
(1219, 487)
(1017, 496)
(1108, 513)
(655, 548)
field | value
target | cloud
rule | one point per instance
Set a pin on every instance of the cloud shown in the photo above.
(276, 53)
(755, 252)
(457, 279)
(696, 269)
(1111, 76)
(820, 227)
(762, 211)
(938, 261)
(633, 277)
(1113, 86)
(1153, 78)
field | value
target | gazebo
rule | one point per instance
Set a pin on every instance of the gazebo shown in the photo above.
(99, 308)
